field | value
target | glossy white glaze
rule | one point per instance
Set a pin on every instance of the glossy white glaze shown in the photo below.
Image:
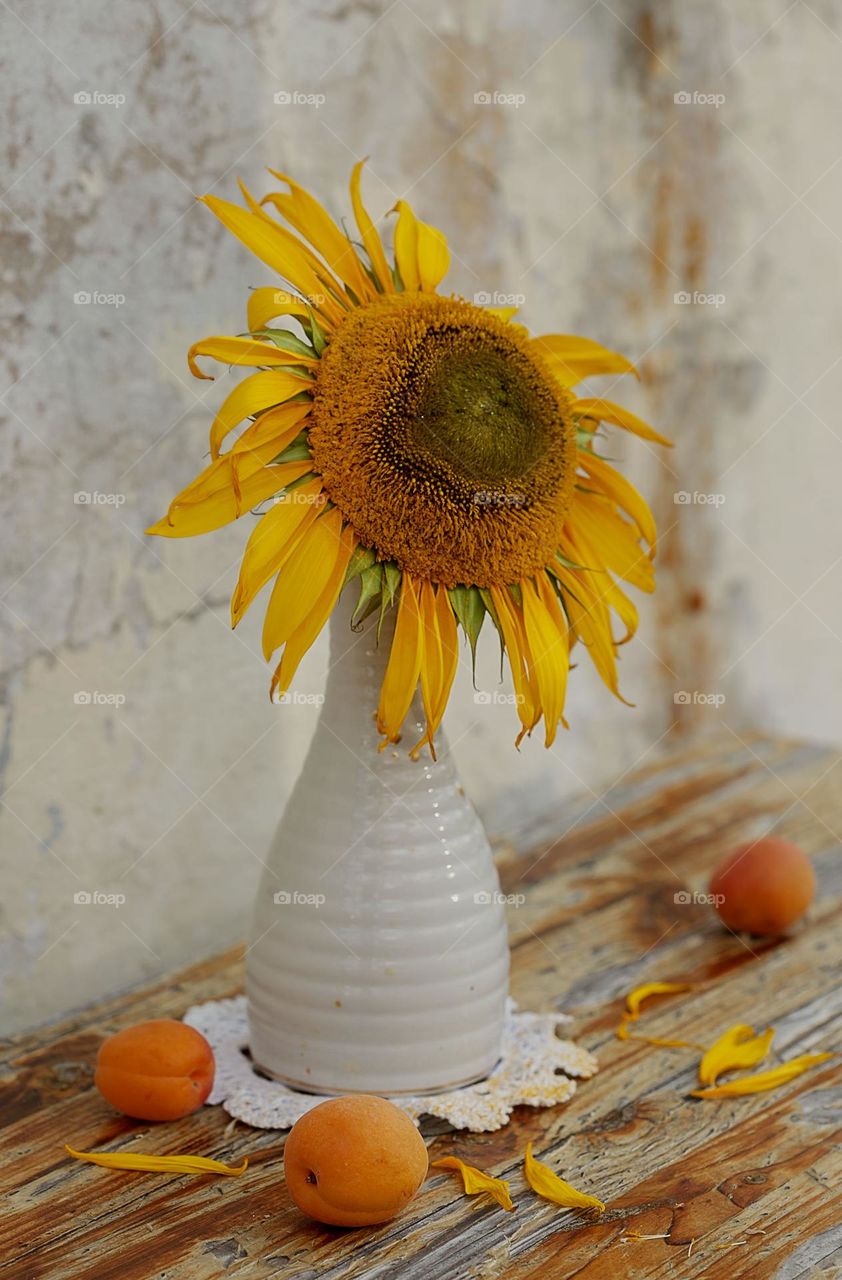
(383, 966)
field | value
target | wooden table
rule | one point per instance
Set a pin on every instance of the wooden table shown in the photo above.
(751, 1183)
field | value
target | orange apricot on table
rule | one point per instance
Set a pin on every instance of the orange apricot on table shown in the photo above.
(158, 1070)
(354, 1161)
(764, 886)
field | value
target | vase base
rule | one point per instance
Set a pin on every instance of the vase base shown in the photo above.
(327, 1092)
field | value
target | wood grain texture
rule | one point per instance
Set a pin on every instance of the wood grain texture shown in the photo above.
(746, 1187)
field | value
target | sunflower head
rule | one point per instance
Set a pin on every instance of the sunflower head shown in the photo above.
(443, 440)
(424, 448)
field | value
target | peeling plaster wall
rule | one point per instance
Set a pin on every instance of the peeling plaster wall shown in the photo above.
(598, 197)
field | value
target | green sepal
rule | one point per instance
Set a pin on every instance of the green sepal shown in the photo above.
(492, 613)
(362, 559)
(317, 334)
(393, 579)
(470, 609)
(285, 340)
(298, 450)
(371, 587)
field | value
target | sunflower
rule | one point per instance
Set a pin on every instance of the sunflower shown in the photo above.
(423, 448)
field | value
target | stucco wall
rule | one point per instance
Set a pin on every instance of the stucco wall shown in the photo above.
(588, 188)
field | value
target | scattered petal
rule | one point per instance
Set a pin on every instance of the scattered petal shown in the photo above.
(763, 1080)
(475, 1181)
(545, 1183)
(158, 1164)
(636, 998)
(735, 1049)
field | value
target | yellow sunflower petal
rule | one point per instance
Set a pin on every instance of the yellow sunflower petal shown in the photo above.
(762, 1081)
(634, 1001)
(312, 221)
(607, 411)
(267, 303)
(221, 506)
(572, 358)
(433, 257)
(611, 540)
(638, 997)
(550, 1186)
(404, 665)
(449, 636)
(549, 651)
(502, 313)
(158, 1164)
(301, 580)
(616, 487)
(528, 712)
(279, 426)
(370, 235)
(251, 396)
(244, 351)
(272, 244)
(257, 447)
(736, 1048)
(580, 552)
(439, 659)
(335, 299)
(590, 621)
(305, 635)
(476, 1182)
(273, 539)
(406, 246)
(431, 661)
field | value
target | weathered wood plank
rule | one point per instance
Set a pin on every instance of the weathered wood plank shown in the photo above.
(752, 1183)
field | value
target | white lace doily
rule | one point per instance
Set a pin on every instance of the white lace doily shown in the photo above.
(534, 1070)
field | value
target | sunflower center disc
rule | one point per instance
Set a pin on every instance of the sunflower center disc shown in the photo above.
(443, 440)
(475, 413)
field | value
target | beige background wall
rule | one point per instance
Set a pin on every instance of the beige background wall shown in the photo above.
(594, 193)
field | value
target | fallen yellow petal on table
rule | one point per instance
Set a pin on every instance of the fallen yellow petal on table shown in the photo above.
(636, 998)
(737, 1048)
(141, 1163)
(475, 1181)
(763, 1080)
(545, 1183)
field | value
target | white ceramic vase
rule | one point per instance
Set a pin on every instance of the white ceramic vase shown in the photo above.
(379, 958)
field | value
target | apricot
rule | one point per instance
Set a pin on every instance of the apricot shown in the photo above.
(764, 887)
(158, 1070)
(354, 1161)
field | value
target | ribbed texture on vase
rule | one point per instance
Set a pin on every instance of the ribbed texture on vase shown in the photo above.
(379, 956)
